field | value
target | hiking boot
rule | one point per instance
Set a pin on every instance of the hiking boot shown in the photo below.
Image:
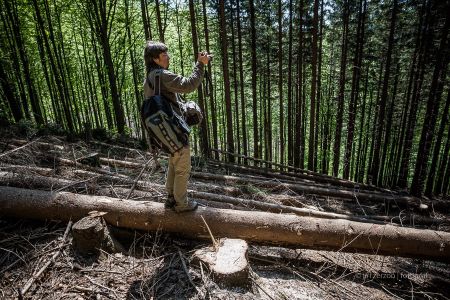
(190, 205)
(170, 202)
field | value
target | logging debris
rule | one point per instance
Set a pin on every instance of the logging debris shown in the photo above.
(160, 265)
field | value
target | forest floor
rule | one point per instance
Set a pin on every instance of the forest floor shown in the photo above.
(158, 265)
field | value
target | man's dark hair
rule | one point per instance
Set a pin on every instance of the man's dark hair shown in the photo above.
(153, 50)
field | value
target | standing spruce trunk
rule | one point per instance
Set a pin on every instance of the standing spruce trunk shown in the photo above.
(437, 147)
(9, 93)
(9, 37)
(283, 230)
(99, 15)
(236, 125)
(209, 93)
(319, 89)
(425, 41)
(289, 90)
(280, 80)
(203, 129)
(254, 78)
(226, 80)
(241, 82)
(442, 176)
(60, 94)
(145, 21)
(434, 99)
(312, 109)
(137, 94)
(357, 62)
(377, 177)
(389, 131)
(341, 95)
(445, 157)
(159, 21)
(12, 13)
(298, 115)
(358, 167)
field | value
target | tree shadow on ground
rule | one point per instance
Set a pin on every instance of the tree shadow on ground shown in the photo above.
(170, 281)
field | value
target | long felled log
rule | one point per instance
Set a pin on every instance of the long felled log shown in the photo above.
(262, 227)
(333, 192)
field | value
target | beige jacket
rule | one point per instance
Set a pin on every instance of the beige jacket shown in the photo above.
(172, 84)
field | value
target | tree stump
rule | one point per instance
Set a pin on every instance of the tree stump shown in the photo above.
(91, 234)
(228, 262)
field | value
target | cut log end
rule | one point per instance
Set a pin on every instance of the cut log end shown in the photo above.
(229, 264)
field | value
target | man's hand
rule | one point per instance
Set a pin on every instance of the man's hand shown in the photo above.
(203, 57)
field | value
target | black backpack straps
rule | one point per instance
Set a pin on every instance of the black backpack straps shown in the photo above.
(157, 82)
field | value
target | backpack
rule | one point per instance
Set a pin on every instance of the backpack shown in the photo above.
(167, 129)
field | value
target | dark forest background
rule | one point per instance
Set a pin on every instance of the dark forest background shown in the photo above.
(356, 89)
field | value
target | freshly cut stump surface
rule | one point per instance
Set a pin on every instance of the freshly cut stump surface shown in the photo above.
(88, 234)
(229, 264)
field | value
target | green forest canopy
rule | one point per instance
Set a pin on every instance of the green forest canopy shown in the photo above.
(357, 89)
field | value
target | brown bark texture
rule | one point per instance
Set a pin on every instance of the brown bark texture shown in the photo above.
(260, 227)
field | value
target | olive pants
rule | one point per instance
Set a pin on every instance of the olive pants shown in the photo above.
(178, 175)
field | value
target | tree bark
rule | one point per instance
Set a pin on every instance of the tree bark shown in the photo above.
(341, 96)
(254, 77)
(434, 99)
(259, 227)
(312, 108)
(226, 79)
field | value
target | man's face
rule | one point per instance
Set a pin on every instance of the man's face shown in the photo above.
(163, 60)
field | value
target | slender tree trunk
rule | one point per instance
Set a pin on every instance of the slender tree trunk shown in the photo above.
(426, 35)
(226, 80)
(387, 135)
(203, 128)
(241, 82)
(319, 88)
(145, 22)
(99, 17)
(289, 90)
(235, 83)
(430, 187)
(11, 11)
(383, 99)
(280, 80)
(159, 21)
(312, 108)
(434, 99)
(441, 186)
(357, 62)
(298, 116)
(254, 78)
(341, 96)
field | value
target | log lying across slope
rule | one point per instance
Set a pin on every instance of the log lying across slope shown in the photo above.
(268, 228)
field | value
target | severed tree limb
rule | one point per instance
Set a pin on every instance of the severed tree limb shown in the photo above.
(254, 226)
(30, 281)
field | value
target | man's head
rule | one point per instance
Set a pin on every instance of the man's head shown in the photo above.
(155, 54)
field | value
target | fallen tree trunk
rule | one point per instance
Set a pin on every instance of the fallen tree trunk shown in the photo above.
(210, 199)
(409, 200)
(299, 177)
(261, 227)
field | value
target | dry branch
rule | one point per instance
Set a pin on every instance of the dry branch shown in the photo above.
(261, 227)
(30, 281)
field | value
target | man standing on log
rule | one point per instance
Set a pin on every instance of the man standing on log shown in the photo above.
(156, 59)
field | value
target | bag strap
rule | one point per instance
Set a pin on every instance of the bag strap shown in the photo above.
(157, 82)
(156, 77)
